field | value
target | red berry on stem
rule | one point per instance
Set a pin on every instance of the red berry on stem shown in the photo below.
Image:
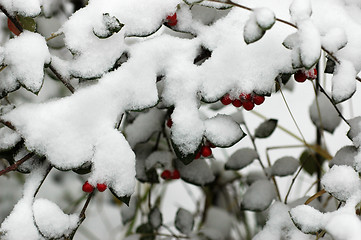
(225, 100)
(206, 151)
(166, 175)
(172, 19)
(311, 74)
(245, 97)
(248, 106)
(237, 103)
(13, 28)
(101, 187)
(300, 76)
(87, 187)
(175, 174)
(258, 100)
(198, 155)
(169, 122)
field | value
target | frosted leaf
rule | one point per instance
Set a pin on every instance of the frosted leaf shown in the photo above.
(51, 220)
(343, 81)
(252, 32)
(241, 158)
(26, 56)
(300, 10)
(265, 17)
(310, 43)
(29, 8)
(291, 41)
(222, 130)
(155, 218)
(254, 176)
(266, 128)
(285, 166)
(355, 131)
(300, 201)
(345, 156)
(307, 219)
(184, 221)
(258, 196)
(21, 216)
(144, 126)
(344, 227)
(341, 182)
(334, 40)
(329, 119)
(128, 212)
(107, 27)
(8, 138)
(164, 158)
(197, 172)
(218, 224)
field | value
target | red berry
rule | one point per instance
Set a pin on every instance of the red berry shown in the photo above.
(245, 97)
(87, 187)
(175, 174)
(206, 151)
(13, 28)
(258, 100)
(198, 155)
(169, 122)
(226, 99)
(172, 19)
(311, 74)
(166, 175)
(101, 187)
(237, 103)
(248, 106)
(300, 76)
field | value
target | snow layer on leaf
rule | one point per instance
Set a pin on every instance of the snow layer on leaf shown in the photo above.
(259, 196)
(334, 40)
(355, 131)
(344, 227)
(285, 166)
(163, 158)
(51, 220)
(310, 43)
(241, 158)
(343, 81)
(22, 215)
(252, 31)
(307, 219)
(8, 138)
(345, 156)
(265, 17)
(300, 10)
(23, 7)
(222, 130)
(26, 56)
(144, 126)
(341, 182)
(329, 119)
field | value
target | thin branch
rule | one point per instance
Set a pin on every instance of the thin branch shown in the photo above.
(62, 79)
(15, 166)
(42, 181)
(316, 195)
(8, 124)
(12, 19)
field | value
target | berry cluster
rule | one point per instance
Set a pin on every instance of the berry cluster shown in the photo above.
(171, 20)
(247, 100)
(302, 75)
(206, 150)
(87, 187)
(168, 175)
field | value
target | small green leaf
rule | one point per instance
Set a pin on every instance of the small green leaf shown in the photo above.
(309, 162)
(155, 218)
(147, 230)
(184, 221)
(83, 169)
(266, 128)
(240, 159)
(27, 23)
(124, 199)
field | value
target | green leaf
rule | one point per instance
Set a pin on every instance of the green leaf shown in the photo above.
(309, 162)
(27, 23)
(147, 230)
(184, 221)
(124, 199)
(186, 159)
(266, 128)
(330, 66)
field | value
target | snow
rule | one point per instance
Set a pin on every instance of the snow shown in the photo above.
(252, 30)
(344, 156)
(344, 227)
(300, 10)
(29, 8)
(265, 18)
(334, 40)
(26, 56)
(197, 172)
(341, 182)
(324, 115)
(50, 219)
(307, 219)
(343, 81)
(8, 138)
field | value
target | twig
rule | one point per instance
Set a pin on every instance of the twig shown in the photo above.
(316, 195)
(12, 19)
(15, 166)
(62, 79)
